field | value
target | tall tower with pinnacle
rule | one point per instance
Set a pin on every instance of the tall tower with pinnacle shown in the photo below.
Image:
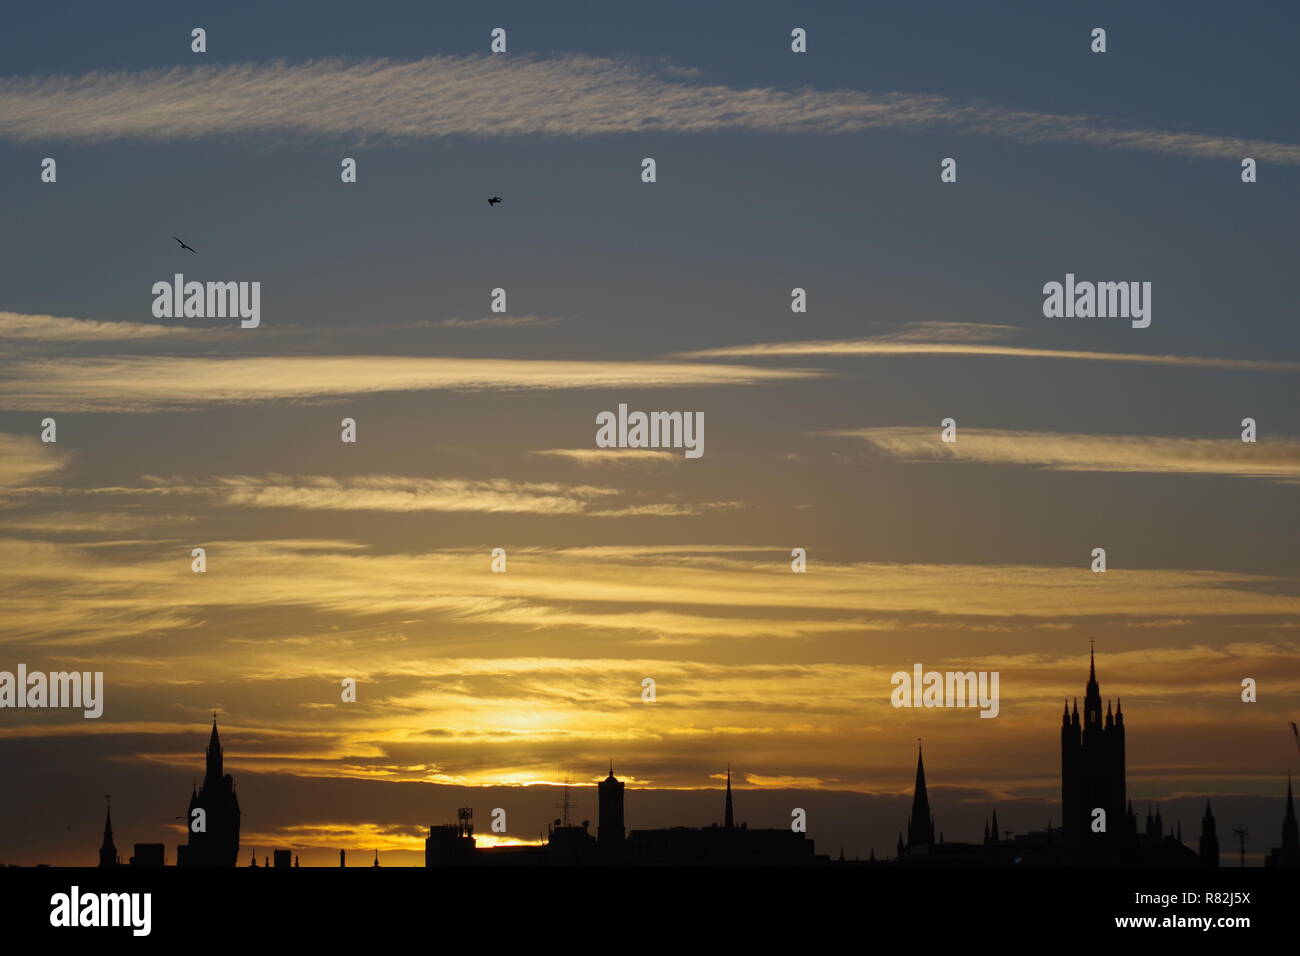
(1093, 777)
(214, 831)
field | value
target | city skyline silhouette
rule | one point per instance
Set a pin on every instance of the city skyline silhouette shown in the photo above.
(988, 328)
(1093, 775)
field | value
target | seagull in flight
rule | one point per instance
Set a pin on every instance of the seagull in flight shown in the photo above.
(183, 246)
(494, 200)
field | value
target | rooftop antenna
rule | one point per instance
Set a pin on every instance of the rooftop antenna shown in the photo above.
(566, 806)
(1240, 834)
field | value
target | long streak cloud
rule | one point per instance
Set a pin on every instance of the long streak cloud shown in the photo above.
(515, 96)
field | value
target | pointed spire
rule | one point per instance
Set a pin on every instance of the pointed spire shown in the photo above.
(1092, 695)
(215, 756)
(920, 828)
(107, 849)
(729, 818)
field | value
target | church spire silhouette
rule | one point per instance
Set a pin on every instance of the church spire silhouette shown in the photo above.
(920, 828)
(107, 850)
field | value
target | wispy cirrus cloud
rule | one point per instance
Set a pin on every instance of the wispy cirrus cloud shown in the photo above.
(500, 322)
(926, 331)
(389, 493)
(25, 458)
(1274, 460)
(595, 457)
(397, 493)
(569, 95)
(53, 328)
(917, 345)
(64, 593)
(147, 383)
(70, 522)
(667, 509)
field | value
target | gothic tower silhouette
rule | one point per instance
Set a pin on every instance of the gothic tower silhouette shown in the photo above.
(1209, 839)
(217, 843)
(1092, 777)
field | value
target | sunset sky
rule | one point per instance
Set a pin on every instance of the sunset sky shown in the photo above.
(476, 430)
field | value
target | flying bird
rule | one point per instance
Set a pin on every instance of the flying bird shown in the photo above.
(183, 246)
(494, 200)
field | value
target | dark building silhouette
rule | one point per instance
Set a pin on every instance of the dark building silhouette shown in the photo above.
(107, 850)
(1092, 777)
(218, 843)
(730, 844)
(452, 844)
(1288, 854)
(282, 859)
(1209, 839)
(611, 833)
(149, 855)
